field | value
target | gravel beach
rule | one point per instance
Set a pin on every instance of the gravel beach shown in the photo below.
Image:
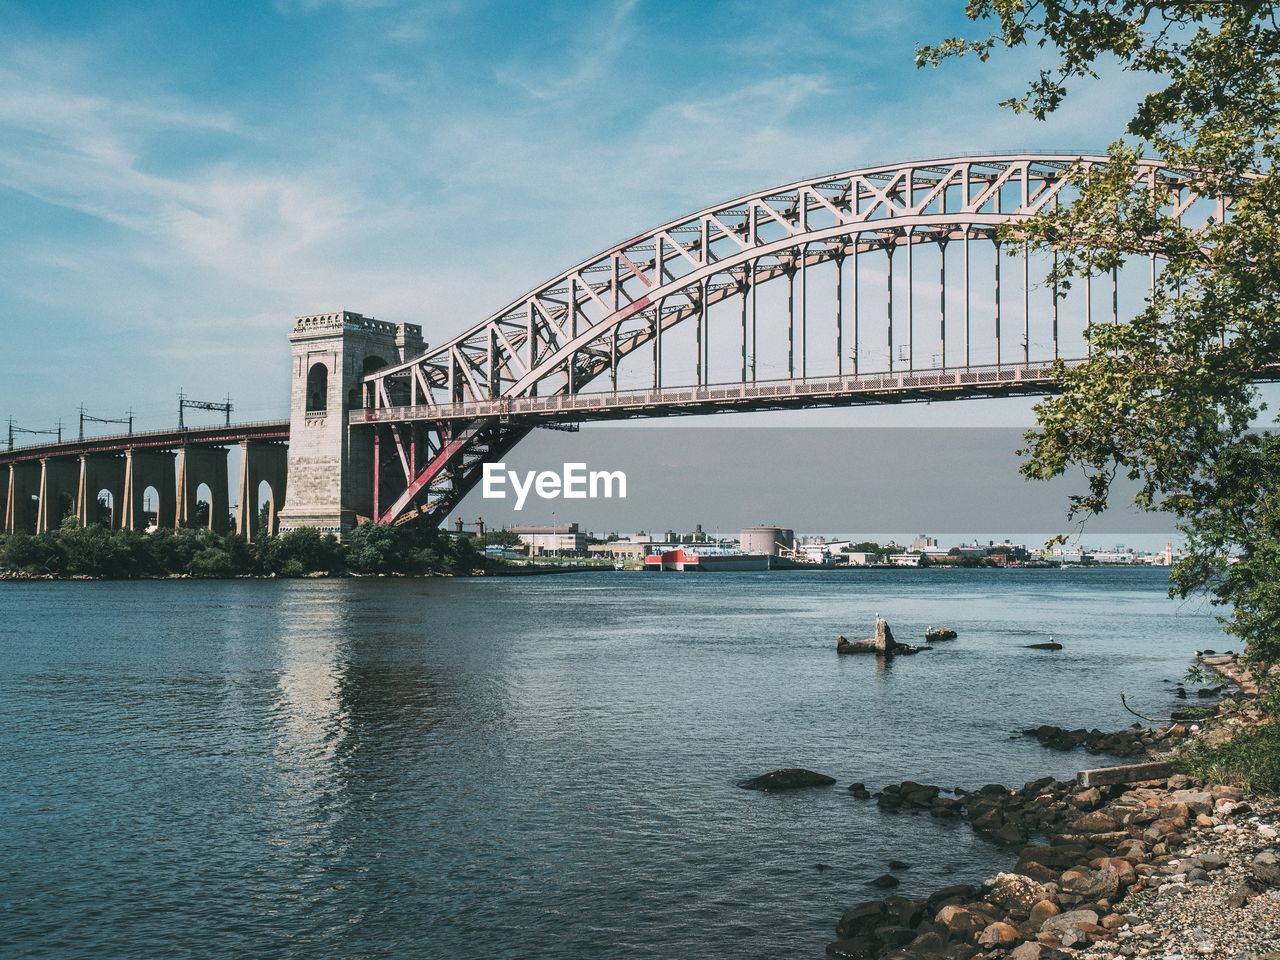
(1169, 868)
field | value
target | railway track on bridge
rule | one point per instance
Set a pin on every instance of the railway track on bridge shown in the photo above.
(268, 430)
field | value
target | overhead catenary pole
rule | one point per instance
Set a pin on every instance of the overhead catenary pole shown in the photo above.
(127, 419)
(52, 432)
(225, 407)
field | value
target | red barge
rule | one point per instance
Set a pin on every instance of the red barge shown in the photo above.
(682, 560)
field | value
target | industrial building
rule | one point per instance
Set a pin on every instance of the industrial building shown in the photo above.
(559, 540)
(770, 540)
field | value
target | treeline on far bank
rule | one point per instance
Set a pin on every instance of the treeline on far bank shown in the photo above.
(95, 551)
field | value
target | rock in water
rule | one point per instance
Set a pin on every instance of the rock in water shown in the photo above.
(1044, 646)
(882, 643)
(791, 778)
(856, 646)
(939, 633)
(884, 636)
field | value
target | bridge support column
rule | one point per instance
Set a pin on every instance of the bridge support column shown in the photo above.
(20, 504)
(261, 462)
(97, 473)
(57, 492)
(207, 465)
(144, 469)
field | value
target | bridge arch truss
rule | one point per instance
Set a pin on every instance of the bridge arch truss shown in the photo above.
(556, 353)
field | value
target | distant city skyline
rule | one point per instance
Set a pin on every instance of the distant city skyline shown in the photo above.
(1140, 542)
(943, 481)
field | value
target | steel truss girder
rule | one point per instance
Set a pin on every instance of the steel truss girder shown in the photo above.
(562, 335)
(456, 454)
(533, 344)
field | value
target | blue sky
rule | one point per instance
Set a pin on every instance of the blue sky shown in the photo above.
(177, 181)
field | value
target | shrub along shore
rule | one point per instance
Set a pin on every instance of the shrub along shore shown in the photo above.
(95, 551)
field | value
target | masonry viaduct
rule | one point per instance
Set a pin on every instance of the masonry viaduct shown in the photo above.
(163, 479)
(179, 478)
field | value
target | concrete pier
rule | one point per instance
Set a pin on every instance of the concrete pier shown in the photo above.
(144, 469)
(261, 462)
(20, 505)
(99, 473)
(59, 480)
(208, 466)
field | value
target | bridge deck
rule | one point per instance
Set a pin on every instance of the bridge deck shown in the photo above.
(908, 386)
(153, 440)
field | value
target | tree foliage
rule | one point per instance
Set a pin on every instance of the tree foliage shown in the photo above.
(1169, 398)
(95, 551)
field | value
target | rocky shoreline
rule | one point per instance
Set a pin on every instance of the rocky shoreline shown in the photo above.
(1097, 868)
(1133, 742)
(1164, 867)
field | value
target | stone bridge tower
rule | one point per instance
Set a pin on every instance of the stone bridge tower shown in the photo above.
(331, 465)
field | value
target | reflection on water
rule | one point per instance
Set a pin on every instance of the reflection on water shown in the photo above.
(543, 767)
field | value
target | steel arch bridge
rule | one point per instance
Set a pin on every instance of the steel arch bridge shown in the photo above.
(556, 354)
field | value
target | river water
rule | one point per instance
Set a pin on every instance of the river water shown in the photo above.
(531, 767)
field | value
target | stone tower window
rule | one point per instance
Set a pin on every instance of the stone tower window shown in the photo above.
(317, 388)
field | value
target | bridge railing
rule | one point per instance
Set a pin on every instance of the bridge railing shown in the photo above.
(1034, 375)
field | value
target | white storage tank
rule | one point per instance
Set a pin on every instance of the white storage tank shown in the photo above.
(770, 540)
